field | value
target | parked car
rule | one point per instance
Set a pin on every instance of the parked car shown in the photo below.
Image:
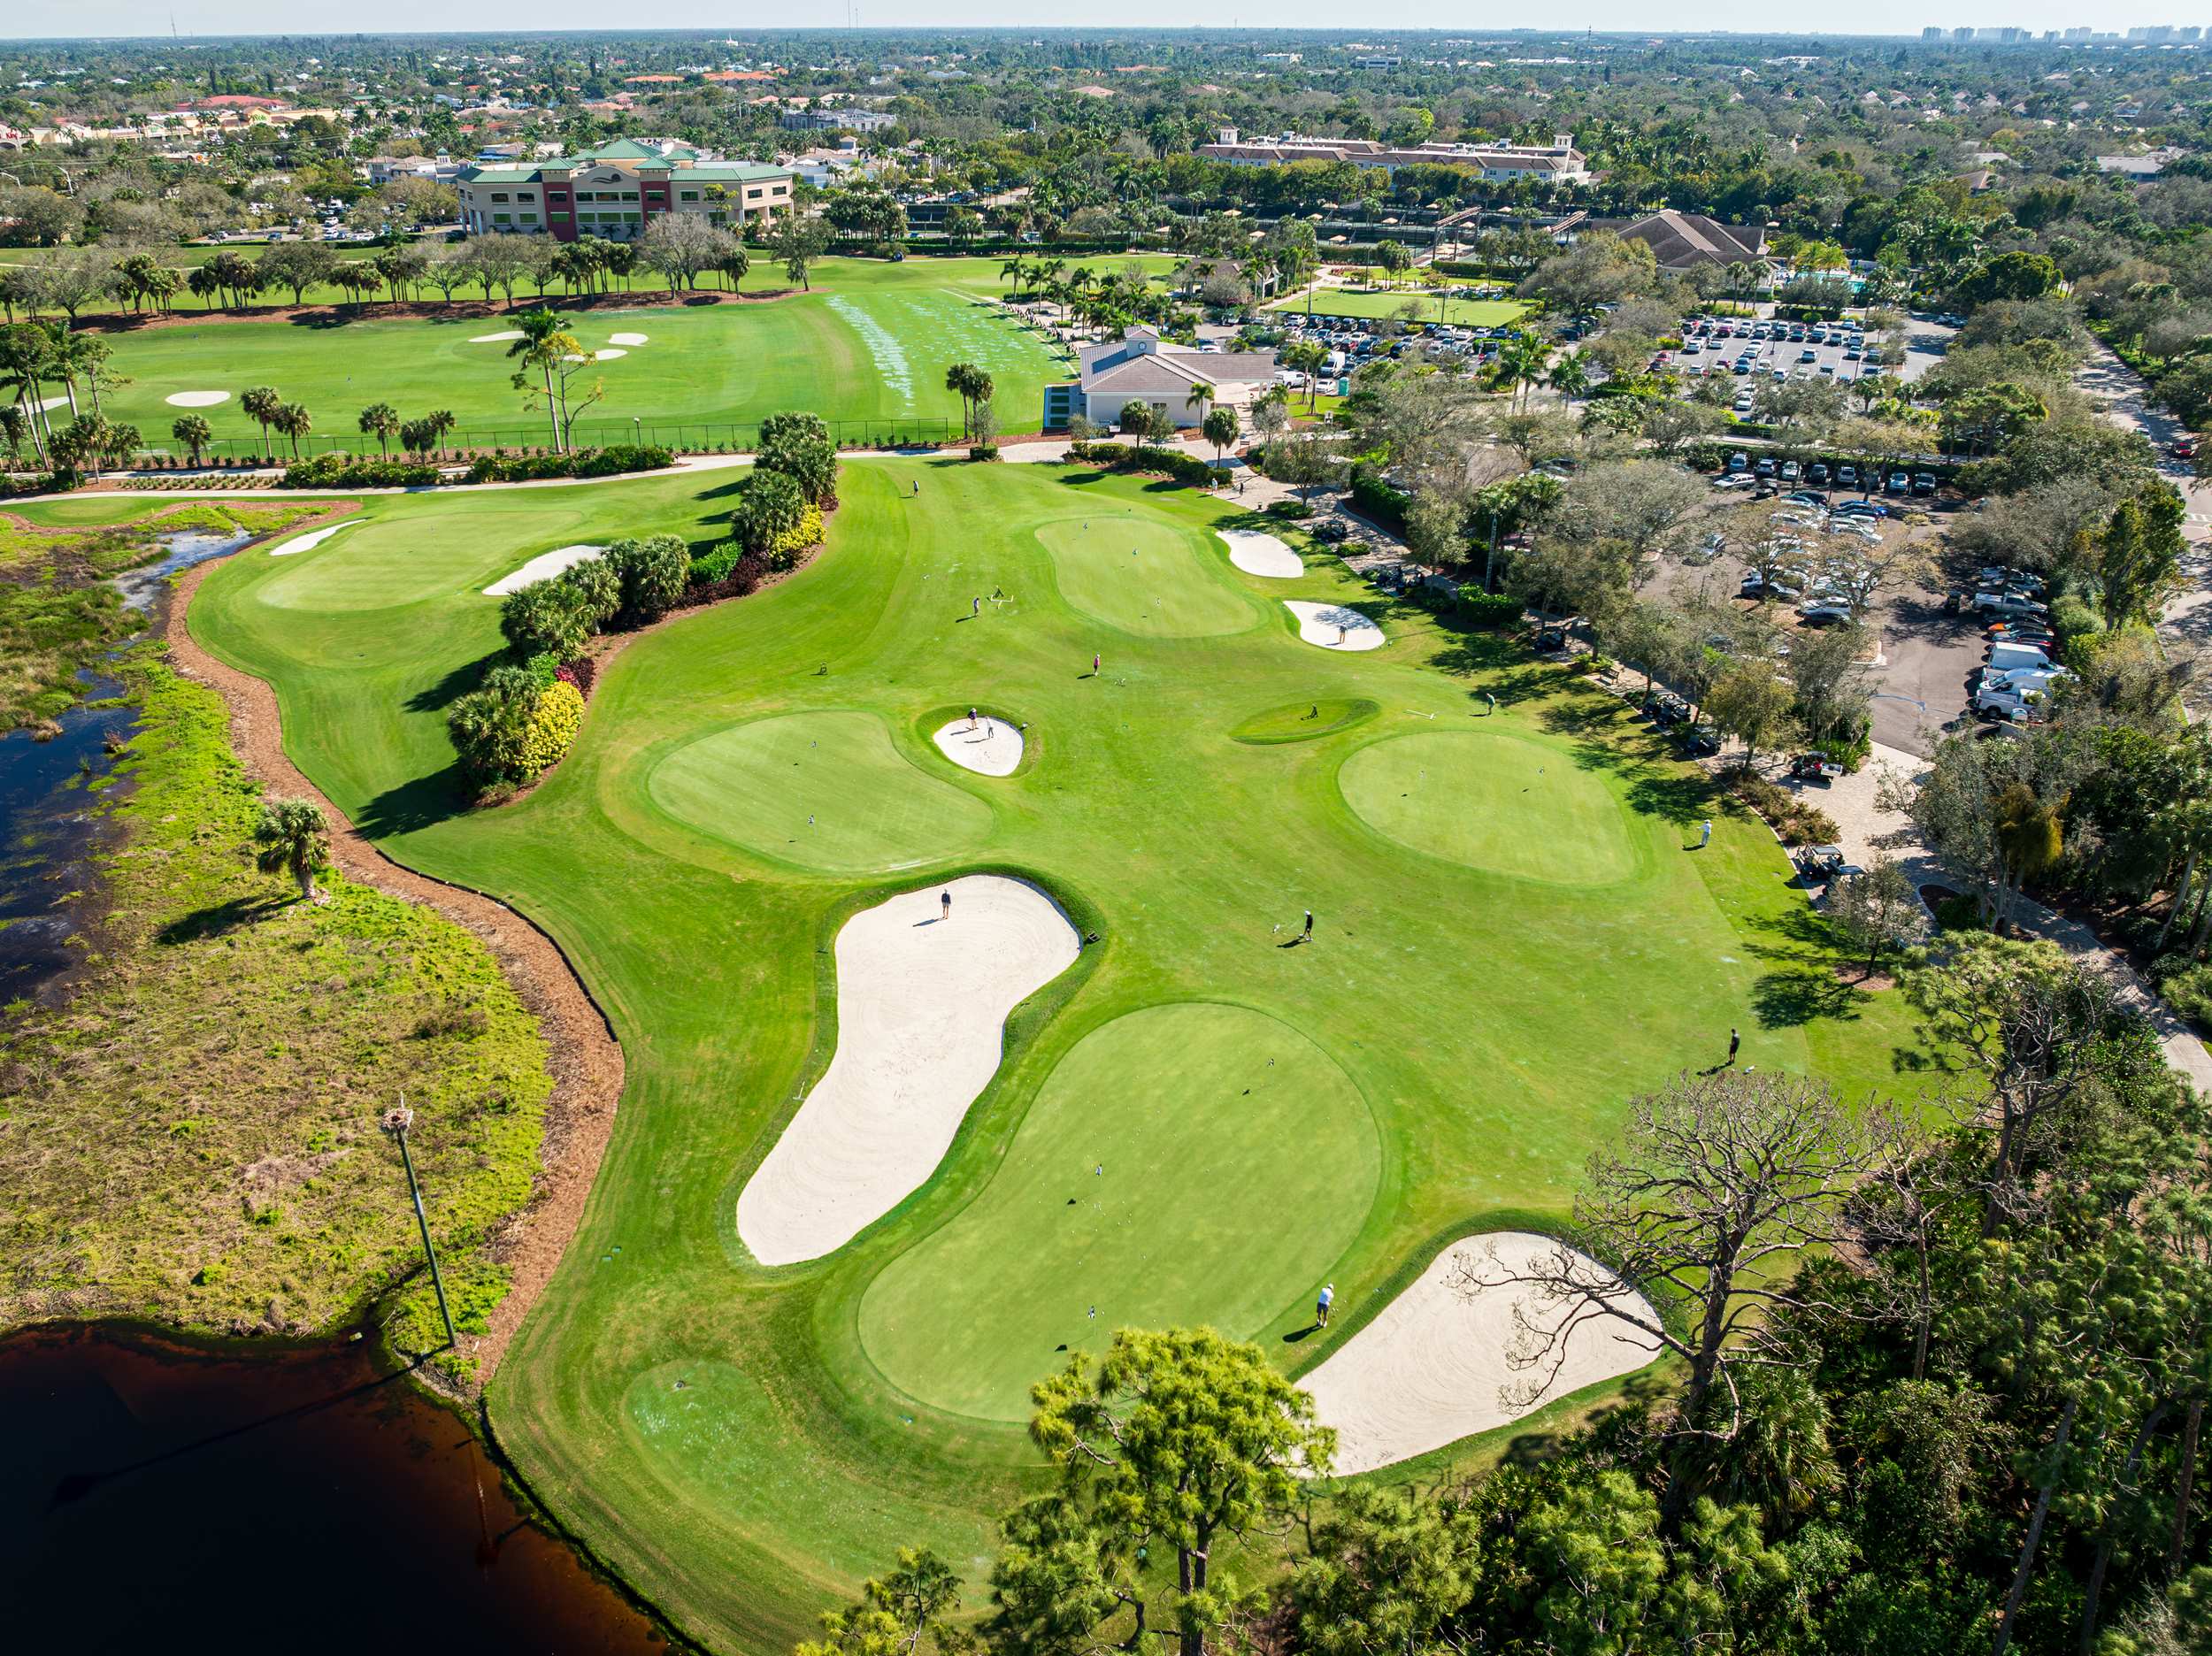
(1816, 473)
(1333, 531)
(1822, 612)
(1765, 468)
(1861, 508)
(1697, 739)
(1792, 472)
(1899, 483)
(1738, 461)
(2009, 603)
(1923, 483)
(2184, 448)
(1846, 477)
(1735, 480)
(2004, 658)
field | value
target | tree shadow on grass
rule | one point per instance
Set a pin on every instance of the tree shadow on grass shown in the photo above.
(1798, 995)
(344, 317)
(420, 803)
(453, 685)
(221, 918)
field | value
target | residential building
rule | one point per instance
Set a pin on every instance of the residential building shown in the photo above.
(1558, 162)
(618, 189)
(1142, 367)
(835, 118)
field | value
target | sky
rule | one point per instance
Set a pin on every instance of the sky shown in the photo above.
(80, 17)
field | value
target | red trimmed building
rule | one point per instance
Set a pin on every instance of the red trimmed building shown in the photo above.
(615, 191)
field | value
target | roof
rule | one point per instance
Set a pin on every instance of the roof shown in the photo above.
(1679, 239)
(1117, 366)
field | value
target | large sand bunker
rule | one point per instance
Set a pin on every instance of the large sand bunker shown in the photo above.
(496, 339)
(922, 999)
(1431, 1368)
(1258, 554)
(196, 399)
(1332, 626)
(990, 745)
(625, 339)
(545, 566)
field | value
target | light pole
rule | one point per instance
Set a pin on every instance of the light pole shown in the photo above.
(396, 1121)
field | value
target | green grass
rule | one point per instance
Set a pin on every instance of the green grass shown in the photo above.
(192, 1138)
(871, 344)
(1476, 1009)
(1303, 721)
(1387, 301)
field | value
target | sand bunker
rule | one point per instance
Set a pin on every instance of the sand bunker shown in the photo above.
(991, 746)
(1257, 554)
(496, 339)
(921, 1008)
(308, 542)
(597, 355)
(1321, 623)
(625, 339)
(196, 399)
(1430, 1368)
(545, 566)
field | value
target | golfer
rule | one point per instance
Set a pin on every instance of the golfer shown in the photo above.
(1491, 699)
(971, 718)
(945, 912)
(1094, 663)
(1321, 1306)
(1734, 1041)
(1705, 834)
(1308, 932)
(975, 607)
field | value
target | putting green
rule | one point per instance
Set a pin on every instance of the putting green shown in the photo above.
(381, 565)
(1488, 800)
(824, 791)
(1366, 305)
(1304, 721)
(1144, 575)
(1185, 1164)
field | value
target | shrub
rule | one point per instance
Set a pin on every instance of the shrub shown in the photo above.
(806, 533)
(555, 618)
(583, 463)
(1181, 467)
(798, 446)
(1489, 609)
(1296, 510)
(2189, 991)
(552, 726)
(983, 451)
(652, 574)
(1385, 502)
(621, 457)
(770, 507)
(490, 726)
(710, 568)
(342, 471)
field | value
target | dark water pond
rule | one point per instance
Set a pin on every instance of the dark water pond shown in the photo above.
(156, 1496)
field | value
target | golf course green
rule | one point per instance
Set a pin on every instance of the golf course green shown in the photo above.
(870, 342)
(1369, 303)
(1199, 1121)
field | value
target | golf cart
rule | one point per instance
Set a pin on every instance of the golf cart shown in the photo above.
(1815, 767)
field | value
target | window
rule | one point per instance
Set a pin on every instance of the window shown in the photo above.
(560, 215)
(526, 195)
(688, 194)
(500, 218)
(499, 198)
(752, 195)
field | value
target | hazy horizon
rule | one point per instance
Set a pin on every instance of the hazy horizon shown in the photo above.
(127, 20)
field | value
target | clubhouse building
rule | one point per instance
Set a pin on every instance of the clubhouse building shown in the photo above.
(616, 190)
(1142, 367)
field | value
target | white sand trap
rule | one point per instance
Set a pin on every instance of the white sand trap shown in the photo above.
(312, 539)
(196, 399)
(545, 566)
(992, 747)
(47, 405)
(1319, 624)
(921, 1007)
(499, 338)
(625, 339)
(597, 355)
(1430, 1368)
(1257, 554)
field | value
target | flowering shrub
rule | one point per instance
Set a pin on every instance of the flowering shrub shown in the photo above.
(553, 725)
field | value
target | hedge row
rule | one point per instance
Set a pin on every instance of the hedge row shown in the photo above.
(1183, 468)
(1385, 502)
(583, 463)
(344, 471)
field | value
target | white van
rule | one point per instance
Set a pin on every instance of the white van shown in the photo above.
(2004, 657)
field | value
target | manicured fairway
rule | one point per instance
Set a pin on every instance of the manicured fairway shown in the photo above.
(1495, 801)
(824, 791)
(1493, 974)
(1184, 1164)
(1371, 302)
(871, 342)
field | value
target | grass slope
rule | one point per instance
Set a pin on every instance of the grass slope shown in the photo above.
(1460, 1033)
(1368, 303)
(870, 343)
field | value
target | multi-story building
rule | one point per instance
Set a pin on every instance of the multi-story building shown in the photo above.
(1558, 162)
(616, 190)
(835, 117)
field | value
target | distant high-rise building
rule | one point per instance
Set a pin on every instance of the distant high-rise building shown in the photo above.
(2191, 32)
(1962, 33)
(1931, 32)
(2079, 34)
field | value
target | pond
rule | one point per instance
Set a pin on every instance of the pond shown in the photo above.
(157, 1495)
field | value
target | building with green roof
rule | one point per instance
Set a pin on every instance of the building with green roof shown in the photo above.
(616, 189)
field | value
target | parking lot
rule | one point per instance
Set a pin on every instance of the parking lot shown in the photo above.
(1755, 353)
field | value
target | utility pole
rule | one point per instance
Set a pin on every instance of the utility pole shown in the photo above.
(396, 1122)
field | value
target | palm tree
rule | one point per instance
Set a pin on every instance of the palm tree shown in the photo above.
(1013, 270)
(293, 839)
(1220, 428)
(1570, 375)
(13, 429)
(382, 421)
(1201, 394)
(261, 404)
(204, 284)
(293, 420)
(973, 387)
(23, 370)
(194, 434)
(538, 328)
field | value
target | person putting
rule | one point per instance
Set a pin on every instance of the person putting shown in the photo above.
(1321, 1305)
(1306, 936)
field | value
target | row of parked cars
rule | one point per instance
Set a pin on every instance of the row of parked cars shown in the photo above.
(2017, 674)
(1819, 475)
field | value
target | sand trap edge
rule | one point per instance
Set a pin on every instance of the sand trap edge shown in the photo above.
(545, 566)
(998, 753)
(1317, 623)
